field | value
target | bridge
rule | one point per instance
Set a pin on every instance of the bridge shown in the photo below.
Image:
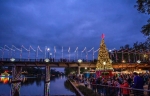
(66, 63)
(123, 59)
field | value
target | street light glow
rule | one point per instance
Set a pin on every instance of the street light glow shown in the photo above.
(46, 60)
(123, 61)
(79, 61)
(138, 61)
(12, 59)
(48, 49)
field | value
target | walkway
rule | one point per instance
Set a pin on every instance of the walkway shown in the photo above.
(89, 86)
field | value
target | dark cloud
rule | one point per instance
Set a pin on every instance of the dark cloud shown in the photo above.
(70, 23)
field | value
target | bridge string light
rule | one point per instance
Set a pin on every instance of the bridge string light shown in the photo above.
(32, 48)
(76, 53)
(16, 48)
(76, 49)
(91, 49)
(97, 50)
(25, 48)
(69, 53)
(62, 52)
(38, 48)
(54, 51)
(84, 49)
(136, 53)
(8, 48)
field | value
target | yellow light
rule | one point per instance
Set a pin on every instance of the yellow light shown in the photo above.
(145, 55)
(123, 61)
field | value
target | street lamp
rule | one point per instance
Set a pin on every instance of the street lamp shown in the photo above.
(12, 59)
(123, 61)
(104, 63)
(46, 60)
(50, 55)
(48, 49)
(139, 61)
(79, 61)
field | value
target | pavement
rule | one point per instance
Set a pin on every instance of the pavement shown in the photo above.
(145, 87)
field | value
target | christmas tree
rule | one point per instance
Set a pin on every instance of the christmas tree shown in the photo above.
(103, 62)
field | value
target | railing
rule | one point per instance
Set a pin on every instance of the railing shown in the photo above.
(105, 90)
(39, 95)
(76, 90)
(42, 60)
(65, 60)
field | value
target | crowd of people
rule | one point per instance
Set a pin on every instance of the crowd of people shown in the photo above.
(118, 84)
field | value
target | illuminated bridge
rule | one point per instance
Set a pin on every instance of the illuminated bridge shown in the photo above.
(124, 59)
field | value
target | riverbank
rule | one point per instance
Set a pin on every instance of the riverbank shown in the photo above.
(85, 91)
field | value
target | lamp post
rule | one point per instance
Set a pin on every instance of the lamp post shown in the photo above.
(12, 59)
(123, 61)
(104, 63)
(47, 60)
(138, 61)
(110, 54)
(79, 61)
(50, 55)
(48, 49)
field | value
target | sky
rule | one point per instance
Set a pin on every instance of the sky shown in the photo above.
(68, 23)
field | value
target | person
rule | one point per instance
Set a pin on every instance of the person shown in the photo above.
(99, 87)
(105, 87)
(129, 80)
(125, 91)
(93, 84)
(149, 86)
(137, 84)
(86, 83)
(117, 85)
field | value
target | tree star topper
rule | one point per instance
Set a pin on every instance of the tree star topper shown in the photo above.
(103, 36)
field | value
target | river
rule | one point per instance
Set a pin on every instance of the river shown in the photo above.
(32, 86)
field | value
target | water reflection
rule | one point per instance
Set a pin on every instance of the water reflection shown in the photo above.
(46, 89)
(15, 89)
(35, 86)
(4, 80)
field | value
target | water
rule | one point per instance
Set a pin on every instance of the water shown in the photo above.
(32, 86)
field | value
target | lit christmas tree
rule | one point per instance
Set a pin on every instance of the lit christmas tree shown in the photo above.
(103, 62)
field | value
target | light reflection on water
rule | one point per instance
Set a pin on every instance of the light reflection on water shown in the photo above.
(36, 86)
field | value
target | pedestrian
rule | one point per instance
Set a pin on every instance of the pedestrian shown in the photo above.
(124, 87)
(149, 86)
(137, 84)
(86, 83)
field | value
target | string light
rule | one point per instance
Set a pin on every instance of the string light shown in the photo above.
(9, 48)
(69, 49)
(91, 49)
(32, 48)
(97, 50)
(76, 49)
(113, 51)
(25, 48)
(16, 48)
(40, 49)
(84, 49)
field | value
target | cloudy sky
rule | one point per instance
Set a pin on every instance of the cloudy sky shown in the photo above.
(70, 23)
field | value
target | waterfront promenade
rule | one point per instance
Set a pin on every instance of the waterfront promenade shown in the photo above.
(111, 85)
